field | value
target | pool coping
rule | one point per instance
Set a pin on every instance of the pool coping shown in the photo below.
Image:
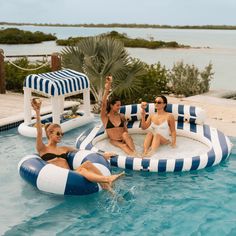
(11, 122)
(221, 112)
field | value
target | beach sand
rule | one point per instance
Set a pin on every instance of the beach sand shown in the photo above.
(221, 113)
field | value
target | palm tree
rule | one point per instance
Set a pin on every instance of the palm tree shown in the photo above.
(98, 57)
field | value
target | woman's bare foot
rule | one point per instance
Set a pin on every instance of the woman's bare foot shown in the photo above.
(138, 155)
(167, 142)
(113, 178)
(148, 154)
(106, 186)
(135, 154)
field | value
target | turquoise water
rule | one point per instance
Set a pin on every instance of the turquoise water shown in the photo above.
(192, 203)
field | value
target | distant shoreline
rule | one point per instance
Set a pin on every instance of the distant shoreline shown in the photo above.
(116, 25)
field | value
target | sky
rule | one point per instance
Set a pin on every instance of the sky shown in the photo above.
(170, 12)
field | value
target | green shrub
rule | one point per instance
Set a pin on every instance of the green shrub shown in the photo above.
(16, 36)
(154, 83)
(181, 80)
(15, 77)
(128, 42)
(188, 80)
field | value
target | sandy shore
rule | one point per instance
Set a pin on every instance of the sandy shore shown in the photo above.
(221, 113)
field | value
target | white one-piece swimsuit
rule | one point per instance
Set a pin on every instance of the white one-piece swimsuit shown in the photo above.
(162, 129)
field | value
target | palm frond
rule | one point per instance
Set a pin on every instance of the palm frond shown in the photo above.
(98, 57)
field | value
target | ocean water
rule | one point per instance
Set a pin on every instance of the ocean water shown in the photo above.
(189, 203)
(209, 46)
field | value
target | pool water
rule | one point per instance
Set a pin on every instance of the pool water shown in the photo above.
(184, 203)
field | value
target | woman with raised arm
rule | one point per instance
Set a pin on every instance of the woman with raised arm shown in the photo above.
(161, 125)
(115, 122)
(57, 155)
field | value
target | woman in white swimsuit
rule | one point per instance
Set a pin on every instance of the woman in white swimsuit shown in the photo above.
(160, 125)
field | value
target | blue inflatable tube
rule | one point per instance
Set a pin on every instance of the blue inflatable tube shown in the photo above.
(53, 179)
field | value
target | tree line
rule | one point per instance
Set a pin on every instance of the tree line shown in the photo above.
(213, 27)
(17, 36)
(128, 42)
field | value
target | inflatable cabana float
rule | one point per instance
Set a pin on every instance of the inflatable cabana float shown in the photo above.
(50, 178)
(56, 85)
(198, 145)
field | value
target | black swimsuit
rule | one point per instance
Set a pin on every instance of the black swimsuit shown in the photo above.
(50, 156)
(110, 125)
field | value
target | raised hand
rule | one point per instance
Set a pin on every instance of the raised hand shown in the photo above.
(109, 79)
(36, 104)
(143, 107)
(108, 82)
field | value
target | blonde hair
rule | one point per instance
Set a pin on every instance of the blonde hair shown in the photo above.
(49, 127)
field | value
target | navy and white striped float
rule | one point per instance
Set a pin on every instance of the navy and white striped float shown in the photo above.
(57, 85)
(63, 82)
(189, 123)
(53, 179)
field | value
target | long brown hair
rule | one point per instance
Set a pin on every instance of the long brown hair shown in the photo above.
(112, 101)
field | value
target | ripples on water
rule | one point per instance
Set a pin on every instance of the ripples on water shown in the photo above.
(188, 203)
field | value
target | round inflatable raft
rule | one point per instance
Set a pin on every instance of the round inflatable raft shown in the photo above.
(53, 179)
(192, 135)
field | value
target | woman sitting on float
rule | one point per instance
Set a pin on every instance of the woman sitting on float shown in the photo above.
(57, 155)
(115, 122)
(161, 124)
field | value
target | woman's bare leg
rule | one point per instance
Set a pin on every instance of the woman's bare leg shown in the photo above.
(90, 167)
(157, 140)
(123, 146)
(129, 141)
(93, 174)
(147, 142)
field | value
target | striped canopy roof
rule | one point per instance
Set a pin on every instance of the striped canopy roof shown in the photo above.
(64, 82)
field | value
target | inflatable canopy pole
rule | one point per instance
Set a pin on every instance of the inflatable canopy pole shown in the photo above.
(61, 104)
(86, 97)
(55, 109)
(27, 105)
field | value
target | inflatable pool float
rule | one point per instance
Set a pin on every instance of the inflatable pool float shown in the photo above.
(53, 179)
(56, 85)
(191, 133)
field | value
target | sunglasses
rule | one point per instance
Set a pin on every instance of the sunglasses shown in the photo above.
(159, 102)
(58, 133)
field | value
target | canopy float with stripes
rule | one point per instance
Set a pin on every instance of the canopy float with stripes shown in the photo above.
(57, 85)
(65, 82)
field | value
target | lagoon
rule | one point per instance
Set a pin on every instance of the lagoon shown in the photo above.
(209, 46)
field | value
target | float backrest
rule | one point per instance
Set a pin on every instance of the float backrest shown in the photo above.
(182, 113)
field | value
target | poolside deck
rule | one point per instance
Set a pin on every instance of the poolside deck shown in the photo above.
(12, 107)
(221, 113)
